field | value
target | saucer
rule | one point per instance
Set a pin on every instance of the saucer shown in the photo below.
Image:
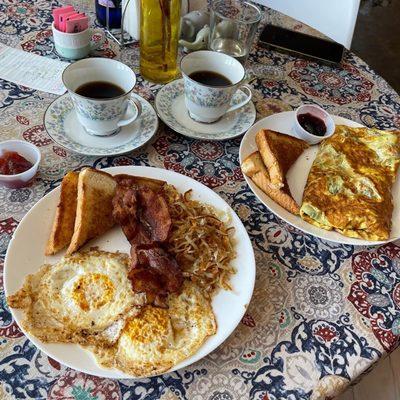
(61, 123)
(171, 108)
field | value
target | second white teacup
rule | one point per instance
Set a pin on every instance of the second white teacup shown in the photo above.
(208, 102)
(98, 115)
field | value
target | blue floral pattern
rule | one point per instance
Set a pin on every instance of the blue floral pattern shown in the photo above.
(375, 292)
(96, 111)
(169, 93)
(316, 349)
(58, 112)
(206, 96)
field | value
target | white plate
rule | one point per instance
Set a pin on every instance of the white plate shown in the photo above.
(25, 255)
(171, 108)
(297, 178)
(61, 123)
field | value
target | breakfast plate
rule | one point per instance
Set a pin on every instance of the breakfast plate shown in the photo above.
(61, 123)
(297, 178)
(25, 256)
(171, 108)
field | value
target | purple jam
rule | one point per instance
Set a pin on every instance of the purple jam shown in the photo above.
(312, 124)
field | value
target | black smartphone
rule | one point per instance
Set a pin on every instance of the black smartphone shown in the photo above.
(306, 45)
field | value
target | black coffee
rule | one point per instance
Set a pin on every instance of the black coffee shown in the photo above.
(99, 90)
(210, 78)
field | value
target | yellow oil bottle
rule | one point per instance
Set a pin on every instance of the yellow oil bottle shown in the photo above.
(159, 34)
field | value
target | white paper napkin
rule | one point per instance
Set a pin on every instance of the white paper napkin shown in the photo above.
(31, 70)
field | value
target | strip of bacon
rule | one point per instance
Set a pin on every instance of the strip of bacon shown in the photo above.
(154, 214)
(165, 265)
(145, 220)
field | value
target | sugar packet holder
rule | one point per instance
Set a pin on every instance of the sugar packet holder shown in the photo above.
(74, 46)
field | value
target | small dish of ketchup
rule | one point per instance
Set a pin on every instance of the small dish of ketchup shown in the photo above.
(19, 161)
(313, 123)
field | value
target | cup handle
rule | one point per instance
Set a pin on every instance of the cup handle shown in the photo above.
(135, 105)
(247, 89)
(96, 45)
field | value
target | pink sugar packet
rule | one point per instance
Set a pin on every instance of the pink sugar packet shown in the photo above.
(57, 11)
(76, 24)
(66, 18)
(62, 18)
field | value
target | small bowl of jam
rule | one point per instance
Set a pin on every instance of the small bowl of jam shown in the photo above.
(19, 162)
(313, 124)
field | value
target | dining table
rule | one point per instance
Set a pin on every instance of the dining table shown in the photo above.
(322, 313)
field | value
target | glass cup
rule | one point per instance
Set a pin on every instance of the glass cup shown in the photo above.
(233, 24)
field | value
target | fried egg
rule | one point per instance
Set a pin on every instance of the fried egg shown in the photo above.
(84, 298)
(157, 339)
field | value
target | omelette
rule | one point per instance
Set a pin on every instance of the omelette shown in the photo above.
(158, 338)
(349, 184)
(85, 298)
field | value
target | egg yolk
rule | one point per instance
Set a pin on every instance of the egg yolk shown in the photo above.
(92, 291)
(152, 322)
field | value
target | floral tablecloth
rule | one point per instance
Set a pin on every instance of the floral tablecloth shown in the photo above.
(321, 314)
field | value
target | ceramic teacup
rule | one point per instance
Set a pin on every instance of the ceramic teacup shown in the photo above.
(75, 46)
(102, 117)
(209, 103)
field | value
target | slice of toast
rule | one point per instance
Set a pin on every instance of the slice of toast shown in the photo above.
(94, 207)
(64, 220)
(278, 152)
(254, 168)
